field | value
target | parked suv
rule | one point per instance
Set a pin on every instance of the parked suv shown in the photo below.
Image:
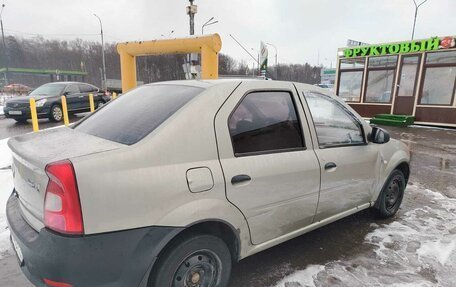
(49, 103)
(196, 176)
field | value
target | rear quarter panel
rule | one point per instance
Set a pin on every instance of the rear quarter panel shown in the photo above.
(145, 184)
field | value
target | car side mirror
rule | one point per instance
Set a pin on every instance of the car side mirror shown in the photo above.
(379, 135)
(66, 93)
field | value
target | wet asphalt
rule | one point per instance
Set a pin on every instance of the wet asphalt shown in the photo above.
(10, 128)
(433, 166)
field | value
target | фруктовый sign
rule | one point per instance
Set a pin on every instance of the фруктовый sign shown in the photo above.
(431, 44)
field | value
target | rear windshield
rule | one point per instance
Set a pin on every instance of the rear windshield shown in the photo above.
(137, 113)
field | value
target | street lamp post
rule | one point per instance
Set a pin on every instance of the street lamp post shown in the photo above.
(169, 35)
(102, 54)
(5, 55)
(258, 59)
(208, 23)
(275, 48)
(416, 14)
(276, 61)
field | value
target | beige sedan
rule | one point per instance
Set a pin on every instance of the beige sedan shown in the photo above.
(173, 182)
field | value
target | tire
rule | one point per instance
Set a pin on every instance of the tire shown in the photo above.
(198, 260)
(56, 113)
(390, 198)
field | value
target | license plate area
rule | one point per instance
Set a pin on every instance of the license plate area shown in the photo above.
(17, 249)
(16, 113)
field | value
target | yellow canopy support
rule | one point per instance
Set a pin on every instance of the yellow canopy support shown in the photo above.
(208, 46)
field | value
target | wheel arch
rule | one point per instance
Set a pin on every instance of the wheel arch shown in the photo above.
(217, 227)
(404, 167)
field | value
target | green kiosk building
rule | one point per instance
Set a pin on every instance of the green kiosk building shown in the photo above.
(413, 78)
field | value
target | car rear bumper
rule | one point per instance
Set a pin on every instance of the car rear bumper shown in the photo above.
(122, 258)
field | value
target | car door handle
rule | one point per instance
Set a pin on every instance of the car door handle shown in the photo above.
(330, 166)
(240, 178)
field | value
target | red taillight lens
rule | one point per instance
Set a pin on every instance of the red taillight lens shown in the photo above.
(62, 208)
(55, 283)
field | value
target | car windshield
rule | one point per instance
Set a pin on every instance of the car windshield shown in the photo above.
(48, 90)
(137, 113)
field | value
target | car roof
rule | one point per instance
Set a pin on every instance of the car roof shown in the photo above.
(66, 83)
(216, 82)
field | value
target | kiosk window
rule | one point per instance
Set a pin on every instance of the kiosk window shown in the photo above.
(351, 79)
(439, 82)
(380, 78)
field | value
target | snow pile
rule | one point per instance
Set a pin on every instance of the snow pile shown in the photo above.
(6, 186)
(1, 110)
(417, 249)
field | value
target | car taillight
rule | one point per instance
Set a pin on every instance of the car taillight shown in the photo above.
(55, 283)
(62, 208)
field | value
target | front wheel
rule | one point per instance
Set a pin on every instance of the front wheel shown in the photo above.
(56, 113)
(195, 261)
(390, 198)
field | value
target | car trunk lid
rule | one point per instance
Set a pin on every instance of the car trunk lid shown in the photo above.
(31, 154)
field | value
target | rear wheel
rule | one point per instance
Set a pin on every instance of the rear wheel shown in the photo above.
(194, 261)
(56, 113)
(390, 198)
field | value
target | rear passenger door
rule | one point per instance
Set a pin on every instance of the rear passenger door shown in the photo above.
(73, 97)
(271, 171)
(87, 89)
(348, 162)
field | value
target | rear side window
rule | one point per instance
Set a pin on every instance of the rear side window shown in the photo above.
(335, 125)
(72, 89)
(265, 122)
(87, 88)
(137, 113)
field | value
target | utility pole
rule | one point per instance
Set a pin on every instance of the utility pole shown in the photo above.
(5, 55)
(276, 61)
(416, 14)
(258, 60)
(192, 59)
(275, 48)
(191, 11)
(103, 84)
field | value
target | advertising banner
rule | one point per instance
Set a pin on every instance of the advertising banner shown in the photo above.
(263, 59)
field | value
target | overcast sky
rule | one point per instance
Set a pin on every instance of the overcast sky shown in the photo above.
(301, 29)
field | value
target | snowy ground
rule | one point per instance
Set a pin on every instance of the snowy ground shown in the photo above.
(6, 186)
(417, 249)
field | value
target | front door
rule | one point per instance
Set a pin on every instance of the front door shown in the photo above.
(348, 163)
(406, 85)
(271, 171)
